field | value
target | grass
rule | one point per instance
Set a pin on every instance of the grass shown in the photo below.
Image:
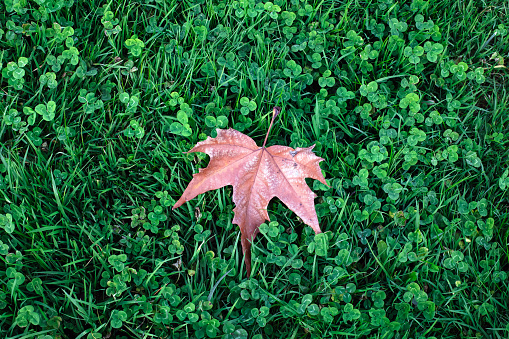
(415, 220)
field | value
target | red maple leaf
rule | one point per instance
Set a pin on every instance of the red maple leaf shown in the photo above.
(257, 175)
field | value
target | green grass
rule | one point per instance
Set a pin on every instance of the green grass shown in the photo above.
(415, 220)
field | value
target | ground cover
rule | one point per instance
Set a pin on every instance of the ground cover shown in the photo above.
(406, 101)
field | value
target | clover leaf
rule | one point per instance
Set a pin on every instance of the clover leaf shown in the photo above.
(393, 190)
(411, 100)
(292, 69)
(456, 261)
(350, 313)
(433, 50)
(35, 286)
(188, 313)
(326, 80)
(459, 70)
(134, 130)
(503, 181)
(478, 75)
(413, 54)
(118, 261)
(47, 111)
(27, 315)
(378, 299)
(6, 222)
(134, 45)
(361, 179)
(247, 105)
(343, 94)
(117, 317)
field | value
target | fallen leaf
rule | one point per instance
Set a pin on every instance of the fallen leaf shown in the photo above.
(257, 175)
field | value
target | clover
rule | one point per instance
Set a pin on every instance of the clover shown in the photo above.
(132, 102)
(227, 61)
(71, 53)
(326, 80)
(344, 293)
(364, 110)
(386, 135)
(413, 54)
(134, 130)
(370, 88)
(27, 315)
(456, 261)
(91, 103)
(344, 258)
(407, 254)
(378, 299)
(450, 135)
(259, 314)
(360, 215)
(117, 318)
(361, 179)
(353, 39)
(7, 223)
(272, 9)
(328, 313)
(415, 136)
(243, 123)
(377, 29)
(35, 286)
(110, 24)
(469, 228)
(134, 45)
(434, 118)
(421, 25)
(49, 79)
(343, 94)
(219, 122)
(116, 286)
(478, 75)
(4, 249)
(14, 72)
(459, 70)
(11, 117)
(369, 53)
(175, 100)
(47, 111)
(411, 100)
(393, 190)
(416, 296)
(247, 105)
(350, 313)
(188, 313)
(363, 235)
(381, 171)
(397, 27)
(487, 227)
(117, 261)
(59, 176)
(503, 181)
(65, 133)
(433, 50)
(163, 315)
(288, 17)
(16, 278)
(292, 69)
(319, 245)
(289, 32)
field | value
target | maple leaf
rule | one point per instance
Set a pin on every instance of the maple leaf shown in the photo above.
(257, 175)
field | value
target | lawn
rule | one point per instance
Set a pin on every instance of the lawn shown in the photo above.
(407, 102)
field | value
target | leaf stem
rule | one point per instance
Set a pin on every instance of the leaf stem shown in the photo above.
(276, 110)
